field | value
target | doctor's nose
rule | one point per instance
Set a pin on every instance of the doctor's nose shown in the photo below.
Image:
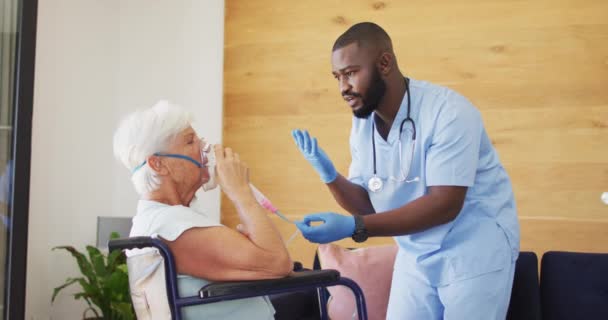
(344, 86)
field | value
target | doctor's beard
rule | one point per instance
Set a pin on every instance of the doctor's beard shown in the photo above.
(374, 94)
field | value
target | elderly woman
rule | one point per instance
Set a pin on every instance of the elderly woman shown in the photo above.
(168, 165)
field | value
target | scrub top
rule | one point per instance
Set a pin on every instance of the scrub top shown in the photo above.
(451, 148)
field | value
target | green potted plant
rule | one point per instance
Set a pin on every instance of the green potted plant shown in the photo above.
(104, 283)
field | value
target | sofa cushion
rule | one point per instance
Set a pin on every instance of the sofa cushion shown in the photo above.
(574, 285)
(371, 268)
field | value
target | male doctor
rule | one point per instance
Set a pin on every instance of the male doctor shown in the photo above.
(424, 171)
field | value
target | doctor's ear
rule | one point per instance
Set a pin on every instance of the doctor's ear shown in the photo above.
(156, 164)
(385, 63)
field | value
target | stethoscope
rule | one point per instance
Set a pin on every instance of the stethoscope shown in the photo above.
(375, 184)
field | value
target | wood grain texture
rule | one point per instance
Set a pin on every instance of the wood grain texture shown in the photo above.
(537, 70)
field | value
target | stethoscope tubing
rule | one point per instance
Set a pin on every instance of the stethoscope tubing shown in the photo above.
(375, 184)
(407, 118)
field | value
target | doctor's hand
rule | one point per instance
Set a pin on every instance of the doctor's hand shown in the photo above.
(315, 155)
(335, 227)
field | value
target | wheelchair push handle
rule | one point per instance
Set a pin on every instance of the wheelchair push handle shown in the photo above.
(132, 243)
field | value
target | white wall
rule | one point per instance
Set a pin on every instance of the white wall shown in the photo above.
(97, 61)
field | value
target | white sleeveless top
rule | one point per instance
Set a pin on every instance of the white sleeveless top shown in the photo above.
(146, 269)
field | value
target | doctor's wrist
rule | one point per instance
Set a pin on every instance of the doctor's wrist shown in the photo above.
(328, 175)
(360, 233)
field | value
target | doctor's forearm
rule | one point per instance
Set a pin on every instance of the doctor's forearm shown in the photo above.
(351, 197)
(440, 206)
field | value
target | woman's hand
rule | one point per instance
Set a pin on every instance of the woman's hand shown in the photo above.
(232, 175)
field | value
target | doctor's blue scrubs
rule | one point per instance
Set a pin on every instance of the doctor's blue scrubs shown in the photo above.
(462, 269)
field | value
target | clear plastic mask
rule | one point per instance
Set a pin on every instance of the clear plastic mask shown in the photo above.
(208, 154)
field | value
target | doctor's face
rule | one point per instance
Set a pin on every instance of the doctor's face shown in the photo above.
(358, 78)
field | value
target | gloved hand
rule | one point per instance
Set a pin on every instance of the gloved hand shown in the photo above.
(315, 155)
(335, 227)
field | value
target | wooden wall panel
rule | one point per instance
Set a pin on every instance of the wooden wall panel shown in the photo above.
(537, 70)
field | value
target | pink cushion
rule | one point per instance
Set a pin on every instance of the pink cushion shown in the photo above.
(371, 268)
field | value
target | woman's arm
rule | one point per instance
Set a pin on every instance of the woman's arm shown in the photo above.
(220, 253)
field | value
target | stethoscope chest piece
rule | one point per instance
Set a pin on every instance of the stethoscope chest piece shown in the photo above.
(374, 184)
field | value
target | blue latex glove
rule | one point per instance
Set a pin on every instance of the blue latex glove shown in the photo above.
(335, 227)
(315, 155)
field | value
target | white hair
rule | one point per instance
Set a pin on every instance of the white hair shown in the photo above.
(144, 132)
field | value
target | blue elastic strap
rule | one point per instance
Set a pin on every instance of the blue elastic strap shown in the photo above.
(169, 155)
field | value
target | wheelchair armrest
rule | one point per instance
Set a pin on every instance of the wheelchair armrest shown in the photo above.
(302, 279)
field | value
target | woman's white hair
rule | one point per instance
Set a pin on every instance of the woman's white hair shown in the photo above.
(144, 132)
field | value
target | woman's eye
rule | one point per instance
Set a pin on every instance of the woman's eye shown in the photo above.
(350, 74)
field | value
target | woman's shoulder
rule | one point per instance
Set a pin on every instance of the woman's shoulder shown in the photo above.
(158, 218)
(153, 209)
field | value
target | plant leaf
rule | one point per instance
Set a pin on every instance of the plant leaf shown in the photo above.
(118, 282)
(123, 268)
(94, 293)
(97, 260)
(67, 283)
(83, 264)
(115, 258)
(79, 295)
(123, 310)
(105, 285)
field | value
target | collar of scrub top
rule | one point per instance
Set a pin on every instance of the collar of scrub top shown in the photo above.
(169, 155)
(375, 183)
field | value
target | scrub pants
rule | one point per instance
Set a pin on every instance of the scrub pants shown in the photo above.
(484, 297)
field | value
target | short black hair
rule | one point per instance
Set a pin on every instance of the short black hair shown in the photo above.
(367, 34)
